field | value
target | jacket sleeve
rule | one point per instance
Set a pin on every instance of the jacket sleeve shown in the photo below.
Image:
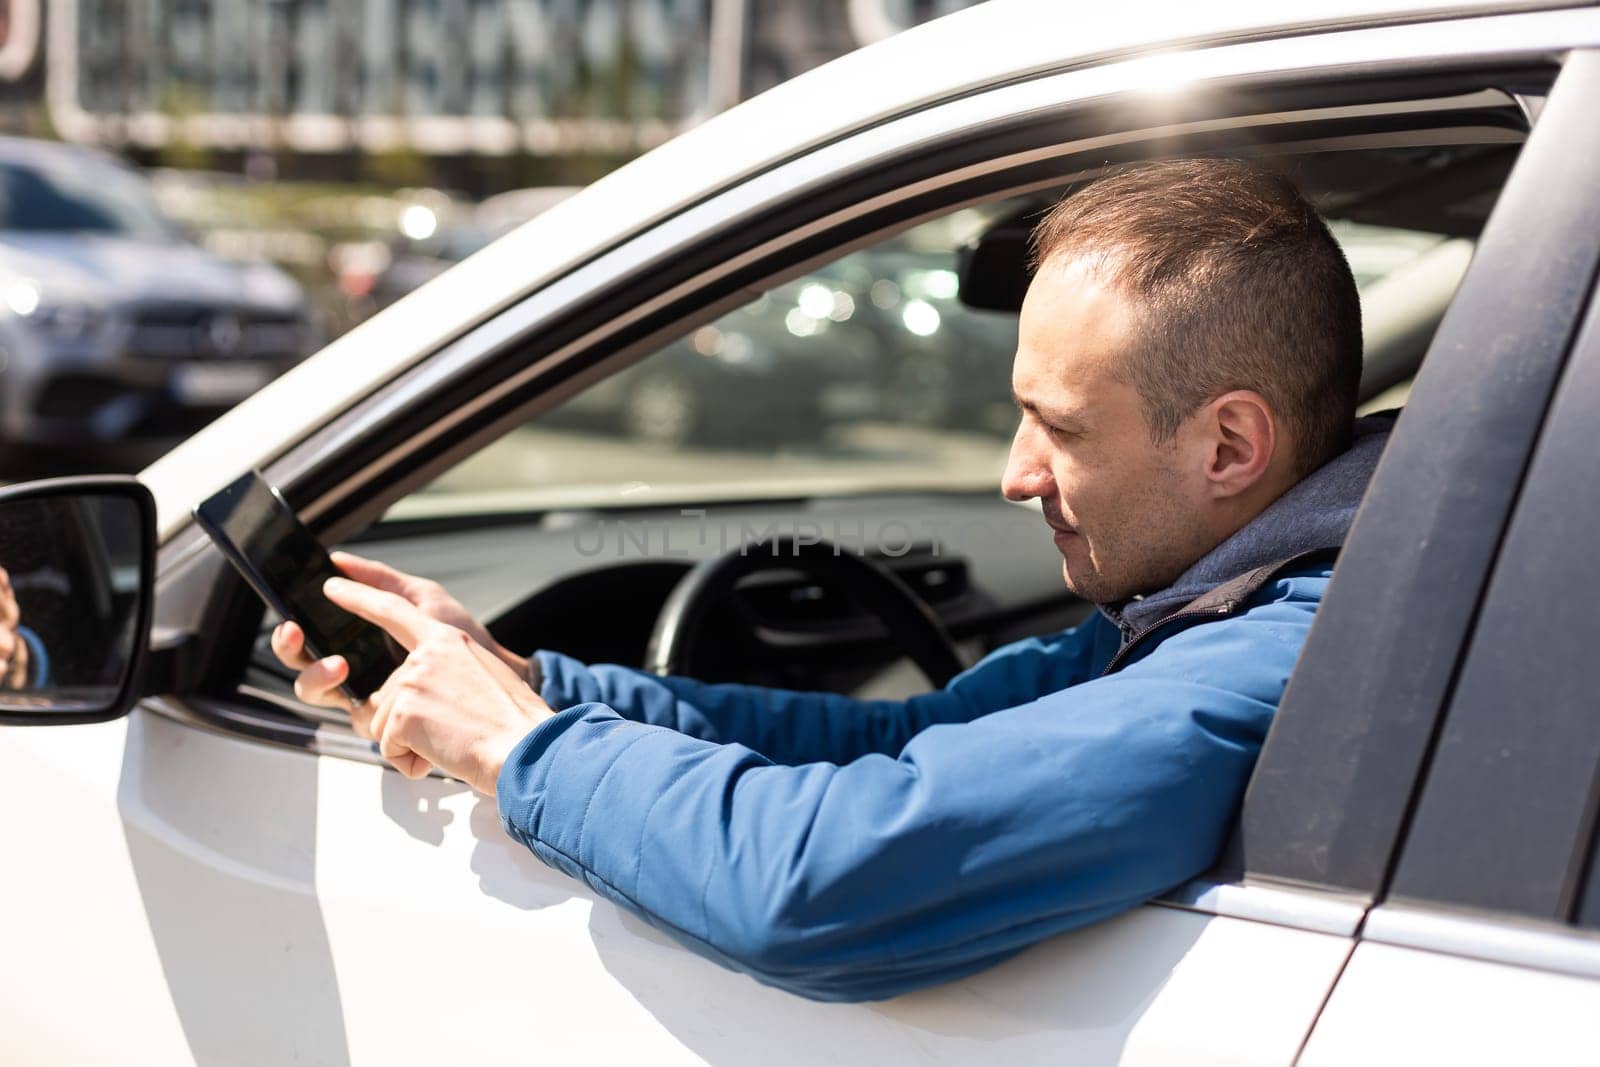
(885, 874)
(794, 727)
(38, 658)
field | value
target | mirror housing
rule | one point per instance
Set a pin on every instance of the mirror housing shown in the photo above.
(77, 557)
(993, 267)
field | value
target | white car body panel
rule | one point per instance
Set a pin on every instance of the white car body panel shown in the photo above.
(930, 62)
(1403, 1006)
(237, 902)
(250, 907)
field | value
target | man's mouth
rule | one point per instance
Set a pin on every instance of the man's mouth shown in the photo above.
(1061, 530)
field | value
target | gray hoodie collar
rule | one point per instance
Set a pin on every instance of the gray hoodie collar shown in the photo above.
(1314, 514)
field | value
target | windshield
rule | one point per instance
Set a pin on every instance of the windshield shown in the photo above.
(92, 198)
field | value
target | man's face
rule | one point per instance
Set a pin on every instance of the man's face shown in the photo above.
(1124, 510)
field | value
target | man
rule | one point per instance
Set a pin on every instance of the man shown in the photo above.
(23, 661)
(1187, 367)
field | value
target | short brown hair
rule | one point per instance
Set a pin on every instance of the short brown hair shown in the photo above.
(1241, 286)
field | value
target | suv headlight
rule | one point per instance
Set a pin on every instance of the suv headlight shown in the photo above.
(65, 320)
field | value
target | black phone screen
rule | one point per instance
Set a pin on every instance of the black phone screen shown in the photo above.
(286, 565)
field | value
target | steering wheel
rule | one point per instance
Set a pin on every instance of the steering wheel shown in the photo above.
(912, 624)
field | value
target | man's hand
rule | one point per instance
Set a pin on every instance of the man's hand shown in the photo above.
(319, 680)
(452, 704)
(431, 598)
(13, 649)
(441, 629)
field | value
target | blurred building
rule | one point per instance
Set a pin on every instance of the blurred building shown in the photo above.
(305, 78)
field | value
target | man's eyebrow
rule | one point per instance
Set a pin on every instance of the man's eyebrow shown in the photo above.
(1052, 415)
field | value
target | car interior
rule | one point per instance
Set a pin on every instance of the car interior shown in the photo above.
(592, 571)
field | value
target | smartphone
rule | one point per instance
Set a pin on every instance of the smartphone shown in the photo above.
(286, 565)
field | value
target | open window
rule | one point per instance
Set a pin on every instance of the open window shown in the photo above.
(798, 350)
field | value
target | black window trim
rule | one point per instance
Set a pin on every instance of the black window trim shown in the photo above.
(1328, 803)
(1505, 822)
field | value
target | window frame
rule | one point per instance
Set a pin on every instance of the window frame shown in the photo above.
(1505, 822)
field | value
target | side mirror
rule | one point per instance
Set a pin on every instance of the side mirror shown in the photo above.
(77, 570)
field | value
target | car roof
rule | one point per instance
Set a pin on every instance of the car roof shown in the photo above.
(934, 61)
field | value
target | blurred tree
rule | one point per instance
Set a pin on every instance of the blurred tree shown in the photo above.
(179, 103)
(399, 165)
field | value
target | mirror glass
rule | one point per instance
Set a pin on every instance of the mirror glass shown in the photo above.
(69, 600)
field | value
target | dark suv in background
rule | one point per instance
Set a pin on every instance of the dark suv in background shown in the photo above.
(114, 325)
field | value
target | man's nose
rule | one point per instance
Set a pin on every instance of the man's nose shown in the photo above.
(1027, 469)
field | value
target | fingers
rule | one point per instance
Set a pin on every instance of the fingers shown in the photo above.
(289, 645)
(396, 615)
(412, 765)
(9, 615)
(319, 683)
(371, 572)
(379, 723)
(17, 666)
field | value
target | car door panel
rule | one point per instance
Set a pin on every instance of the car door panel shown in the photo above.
(1479, 953)
(449, 940)
(83, 969)
(1398, 1005)
(256, 913)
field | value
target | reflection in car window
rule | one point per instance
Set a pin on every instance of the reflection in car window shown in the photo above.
(865, 375)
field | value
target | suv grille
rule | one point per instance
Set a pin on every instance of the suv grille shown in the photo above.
(179, 332)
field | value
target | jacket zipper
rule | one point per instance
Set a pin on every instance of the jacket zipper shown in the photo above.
(1122, 653)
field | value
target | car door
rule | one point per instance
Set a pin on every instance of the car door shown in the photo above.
(1486, 946)
(246, 883)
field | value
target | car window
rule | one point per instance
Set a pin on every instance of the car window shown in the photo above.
(1406, 279)
(83, 196)
(867, 374)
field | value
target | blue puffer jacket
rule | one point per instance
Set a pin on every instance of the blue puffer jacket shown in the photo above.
(853, 850)
(850, 850)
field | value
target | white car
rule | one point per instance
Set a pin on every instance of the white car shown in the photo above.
(225, 875)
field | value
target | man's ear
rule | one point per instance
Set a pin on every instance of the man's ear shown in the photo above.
(1242, 442)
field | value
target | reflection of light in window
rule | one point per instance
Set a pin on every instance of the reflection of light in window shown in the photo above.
(418, 222)
(816, 300)
(941, 284)
(737, 349)
(799, 323)
(885, 294)
(843, 307)
(921, 318)
(708, 340)
(23, 298)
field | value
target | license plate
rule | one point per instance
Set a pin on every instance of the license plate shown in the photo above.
(217, 383)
